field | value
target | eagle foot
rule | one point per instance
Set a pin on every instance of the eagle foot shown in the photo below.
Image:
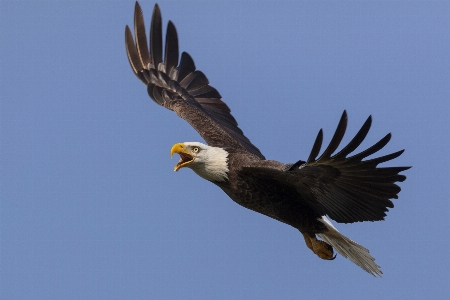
(320, 248)
(323, 250)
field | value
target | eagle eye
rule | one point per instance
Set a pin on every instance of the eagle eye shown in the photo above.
(195, 149)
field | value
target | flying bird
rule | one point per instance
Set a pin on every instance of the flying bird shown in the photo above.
(305, 194)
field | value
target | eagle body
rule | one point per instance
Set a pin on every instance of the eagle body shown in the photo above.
(339, 185)
(265, 195)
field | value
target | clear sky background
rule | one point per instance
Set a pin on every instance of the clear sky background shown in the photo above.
(91, 207)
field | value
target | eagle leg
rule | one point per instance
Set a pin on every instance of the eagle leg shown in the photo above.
(320, 248)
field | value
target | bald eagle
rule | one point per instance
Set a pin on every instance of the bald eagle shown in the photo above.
(345, 188)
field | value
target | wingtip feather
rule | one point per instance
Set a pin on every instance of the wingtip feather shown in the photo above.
(337, 137)
(316, 147)
(140, 35)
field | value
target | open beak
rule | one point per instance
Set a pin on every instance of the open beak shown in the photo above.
(185, 156)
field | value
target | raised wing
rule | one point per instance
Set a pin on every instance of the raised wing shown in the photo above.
(347, 189)
(179, 86)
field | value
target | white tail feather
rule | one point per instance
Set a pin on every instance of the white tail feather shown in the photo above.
(349, 249)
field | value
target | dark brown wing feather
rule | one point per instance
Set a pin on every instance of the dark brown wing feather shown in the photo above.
(347, 189)
(180, 87)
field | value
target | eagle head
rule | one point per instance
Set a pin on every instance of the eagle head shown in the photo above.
(211, 163)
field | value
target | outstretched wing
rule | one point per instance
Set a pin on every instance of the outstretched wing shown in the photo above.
(347, 189)
(179, 86)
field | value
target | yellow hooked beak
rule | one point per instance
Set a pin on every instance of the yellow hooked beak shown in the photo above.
(185, 156)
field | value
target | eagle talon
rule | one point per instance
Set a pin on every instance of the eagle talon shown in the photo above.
(318, 247)
(323, 250)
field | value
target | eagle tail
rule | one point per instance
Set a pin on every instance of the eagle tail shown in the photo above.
(349, 249)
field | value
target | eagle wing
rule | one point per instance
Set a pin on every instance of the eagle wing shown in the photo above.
(179, 86)
(347, 189)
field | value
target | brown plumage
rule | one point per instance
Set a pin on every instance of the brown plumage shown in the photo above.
(346, 188)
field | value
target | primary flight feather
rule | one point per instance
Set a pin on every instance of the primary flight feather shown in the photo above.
(342, 186)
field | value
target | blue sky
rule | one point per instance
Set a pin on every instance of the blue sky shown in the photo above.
(91, 207)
